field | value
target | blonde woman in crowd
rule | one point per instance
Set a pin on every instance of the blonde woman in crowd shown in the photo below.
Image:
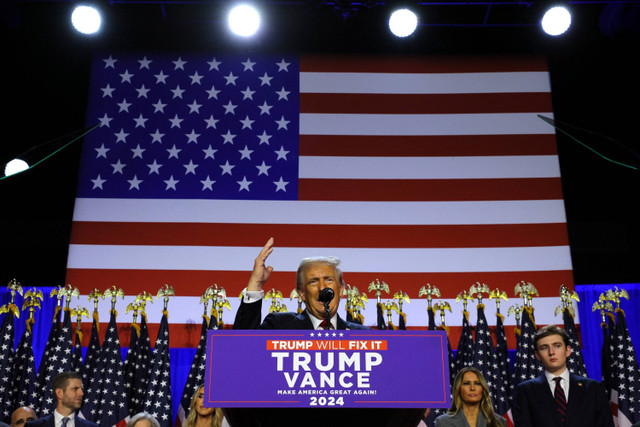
(471, 403)
(199, 416)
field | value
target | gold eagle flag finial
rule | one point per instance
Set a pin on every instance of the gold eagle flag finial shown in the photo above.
(566, 295)
(14, 288)
(497, 294)
(221, 303)
(95, 295)
(114, 293)
(295, 295)
(401, 297)
(165, 292)
(32, 299)
(478, 289)
(526, 290)
(207, 295)
(442, 307)
(276, 297)
(615, 295)
(68, 292)
(78, 312)
(465, 298)
(517, 310)
(604, 306)
(430, 292)
(388, 307)
(378, 287)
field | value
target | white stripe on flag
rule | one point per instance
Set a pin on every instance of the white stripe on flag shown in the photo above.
(315, 212)
(429, 167)
(234, 258)
(418, 83)
(425, 124)
(189, 310)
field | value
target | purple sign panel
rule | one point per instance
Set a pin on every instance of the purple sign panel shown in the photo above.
(307, 368)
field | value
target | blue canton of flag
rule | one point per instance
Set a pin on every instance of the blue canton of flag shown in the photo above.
(626, 375)
(157, 400)
(486, 360)
(464, 353)
(25, 382)
(196, 374)
(206, 128)
(575, 362)
(137, 368)
(60, 360)
(526, 365)
(90, 372)
(113, 398)
(6, 360)
(502, 353)
(434, 413)
(44, 381)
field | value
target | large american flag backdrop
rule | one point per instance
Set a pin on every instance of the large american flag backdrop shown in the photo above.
(411, 170)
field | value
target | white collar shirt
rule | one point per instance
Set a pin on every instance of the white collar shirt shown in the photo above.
(564, 382)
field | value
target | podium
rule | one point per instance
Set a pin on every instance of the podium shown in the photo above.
(323, 417)
(326, 378)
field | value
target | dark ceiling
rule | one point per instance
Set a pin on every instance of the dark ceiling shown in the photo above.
(594, 72)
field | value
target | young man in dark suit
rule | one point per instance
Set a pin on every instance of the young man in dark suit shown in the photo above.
(67, 388)
(558, 397)
(314, 275)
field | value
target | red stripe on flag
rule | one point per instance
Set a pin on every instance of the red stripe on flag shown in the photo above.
(431, 190)
(410, 145)
(358, 103)
(195, 282)
(299, 235)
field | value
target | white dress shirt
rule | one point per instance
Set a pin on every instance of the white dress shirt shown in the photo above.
(253, 296)
(564, 382)
(57, 418)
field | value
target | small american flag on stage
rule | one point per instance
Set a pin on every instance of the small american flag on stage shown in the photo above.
(412, 170)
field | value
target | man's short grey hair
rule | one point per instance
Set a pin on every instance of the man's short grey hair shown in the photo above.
(308, 262)
(143, 416)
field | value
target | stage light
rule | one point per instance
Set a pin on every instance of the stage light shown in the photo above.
(403, 22)
(86, 19)
(15, 166)
(556, 20)
(244, 20)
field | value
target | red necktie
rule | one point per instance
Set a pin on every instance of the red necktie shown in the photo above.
(561, 399)
(324, 325)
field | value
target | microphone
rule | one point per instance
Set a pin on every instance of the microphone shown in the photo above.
(326, 295)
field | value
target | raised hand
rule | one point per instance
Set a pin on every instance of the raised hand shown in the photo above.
(261, 271)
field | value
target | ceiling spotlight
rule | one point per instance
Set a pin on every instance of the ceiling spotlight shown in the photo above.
(15, 166)
(244, 20)
(403, 22)
(86, 19)
(556, 20)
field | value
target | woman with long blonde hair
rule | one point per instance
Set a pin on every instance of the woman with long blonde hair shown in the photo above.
(471, 403)
(199, 416)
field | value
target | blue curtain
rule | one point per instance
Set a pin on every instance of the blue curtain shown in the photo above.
(590, 328)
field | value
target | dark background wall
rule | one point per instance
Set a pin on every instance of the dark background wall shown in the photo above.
(594, 77)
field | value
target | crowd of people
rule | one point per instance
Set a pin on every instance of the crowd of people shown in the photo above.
(67, 388)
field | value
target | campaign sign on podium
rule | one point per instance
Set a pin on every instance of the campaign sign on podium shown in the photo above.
(337, 368)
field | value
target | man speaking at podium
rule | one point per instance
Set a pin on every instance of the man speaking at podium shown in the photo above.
(318, 282)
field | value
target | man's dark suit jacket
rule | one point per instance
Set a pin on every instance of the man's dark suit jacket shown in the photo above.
(588, 404)
(248, 317)
(49, 421)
